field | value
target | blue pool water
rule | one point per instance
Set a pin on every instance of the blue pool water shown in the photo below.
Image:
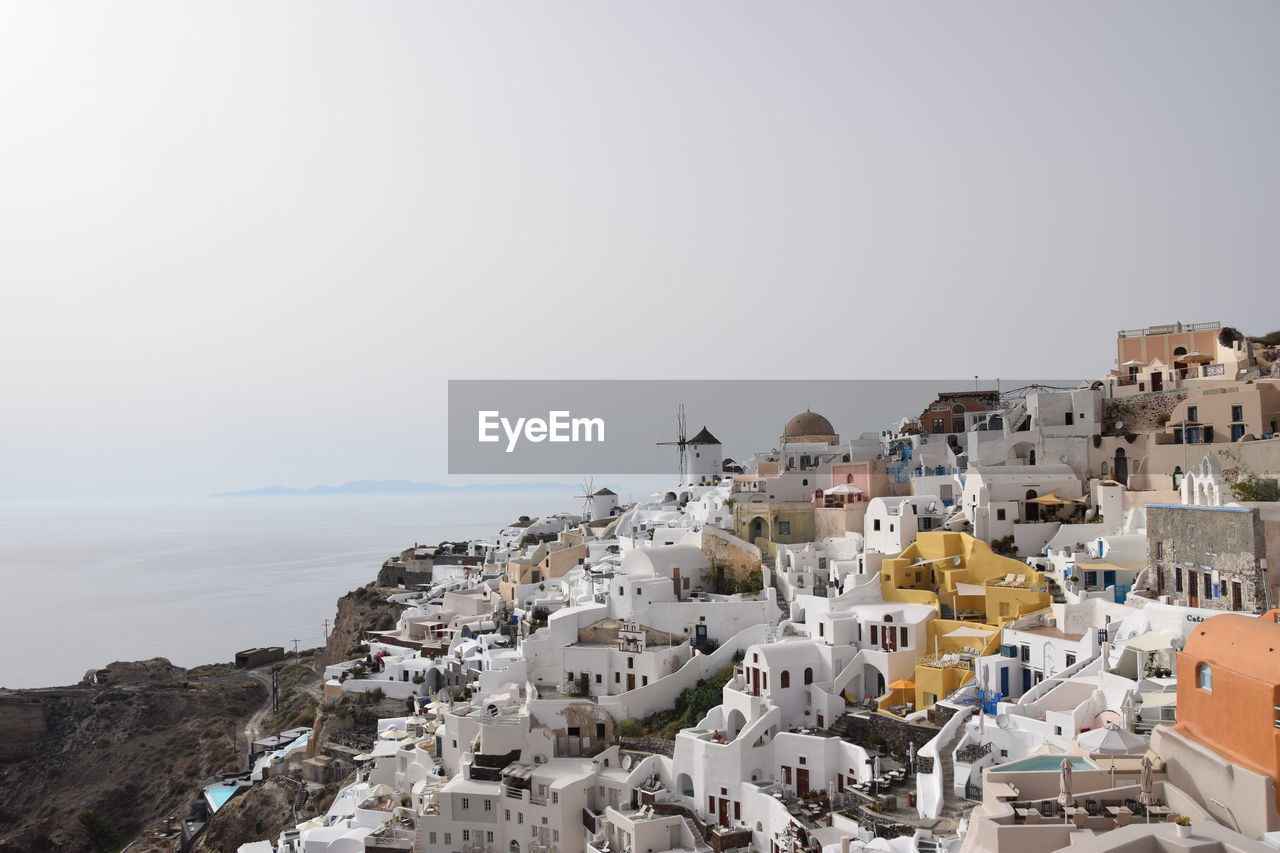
(1044, 762)
(218, 796)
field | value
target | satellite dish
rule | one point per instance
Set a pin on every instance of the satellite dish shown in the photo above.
(1119, 424)
(626, 762)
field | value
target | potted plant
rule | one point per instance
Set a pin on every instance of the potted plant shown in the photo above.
(1182, 825)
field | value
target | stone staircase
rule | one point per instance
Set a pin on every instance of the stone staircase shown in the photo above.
(952, 806)
(1055, 590)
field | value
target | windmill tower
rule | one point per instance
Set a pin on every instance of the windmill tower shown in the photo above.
(597, 503)
(682, 442)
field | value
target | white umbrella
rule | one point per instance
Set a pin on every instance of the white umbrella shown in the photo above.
(1145, 784)
(1064, 786)
(843, 489)
(1112, 739)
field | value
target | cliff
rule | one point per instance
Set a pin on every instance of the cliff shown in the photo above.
(131, 751)
(359, 611)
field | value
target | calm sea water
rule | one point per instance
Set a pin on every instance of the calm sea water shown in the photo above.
(84, 584)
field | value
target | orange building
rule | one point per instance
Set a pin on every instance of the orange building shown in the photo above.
(1229, 691)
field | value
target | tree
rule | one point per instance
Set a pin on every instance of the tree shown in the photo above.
(98, 830)
(1252, 487)
(627, 728)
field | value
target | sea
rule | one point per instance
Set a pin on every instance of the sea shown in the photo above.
(85, 583)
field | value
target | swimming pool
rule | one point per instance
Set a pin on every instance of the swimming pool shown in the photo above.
(1043, 763)
(217, 796)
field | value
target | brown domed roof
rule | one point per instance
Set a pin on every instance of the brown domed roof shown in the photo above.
(808, 423)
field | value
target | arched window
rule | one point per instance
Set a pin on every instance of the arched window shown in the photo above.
(957, 409)
(786, 679)
(1179, 351)
(808, 675)
(1204, 677)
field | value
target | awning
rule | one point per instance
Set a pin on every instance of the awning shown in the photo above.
(902, 684)
(1158, 700)
(969, 632)
(971, 589)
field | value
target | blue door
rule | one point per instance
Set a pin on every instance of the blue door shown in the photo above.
(1004, 681)
(1026, 680)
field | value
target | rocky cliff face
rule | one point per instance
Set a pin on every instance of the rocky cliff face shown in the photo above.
(359, 611)
(132, 751)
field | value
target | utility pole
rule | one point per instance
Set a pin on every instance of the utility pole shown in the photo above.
(295, 651)
(326, 630)
(275, 691)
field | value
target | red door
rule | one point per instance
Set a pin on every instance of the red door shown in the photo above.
(631, 681)
(802, 780)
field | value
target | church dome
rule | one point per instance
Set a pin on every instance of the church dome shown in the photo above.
(808, 424)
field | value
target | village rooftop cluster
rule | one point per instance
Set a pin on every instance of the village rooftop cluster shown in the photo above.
(1010, 622)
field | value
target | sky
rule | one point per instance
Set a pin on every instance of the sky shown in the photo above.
(248, 243)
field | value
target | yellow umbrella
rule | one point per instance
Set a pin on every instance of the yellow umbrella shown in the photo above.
(1050, 499)
(903, 684)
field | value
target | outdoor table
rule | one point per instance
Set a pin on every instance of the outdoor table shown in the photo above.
(1116, 811)
(1159, 811)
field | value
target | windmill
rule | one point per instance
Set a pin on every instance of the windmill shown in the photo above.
(682, 438)
(588, 492)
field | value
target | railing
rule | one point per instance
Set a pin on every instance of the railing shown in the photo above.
(1168, 329)
(972, 752)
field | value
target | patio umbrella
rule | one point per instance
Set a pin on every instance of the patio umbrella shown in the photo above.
(1064, 786)
(843, 489)
(902, 684)
(1113, 740)
(1133, 362)
(1145, 784)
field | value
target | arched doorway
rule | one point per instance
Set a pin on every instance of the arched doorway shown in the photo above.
(734, 723)
(1121, 475)
(684, 784)
(759, 529)
(1032, 509)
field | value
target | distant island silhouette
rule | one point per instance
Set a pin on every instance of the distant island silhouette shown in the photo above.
(385, 487)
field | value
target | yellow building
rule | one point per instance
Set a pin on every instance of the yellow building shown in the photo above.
(978, 590)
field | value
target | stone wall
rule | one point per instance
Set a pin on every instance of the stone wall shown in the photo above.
(739, 557)
(1229, 541)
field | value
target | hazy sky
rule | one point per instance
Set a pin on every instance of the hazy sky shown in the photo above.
(245, 243)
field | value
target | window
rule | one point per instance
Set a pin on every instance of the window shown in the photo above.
(466, 803)
(519, 817)
(432, 837)
(1193, 413)
(1177, 578)
(1070, 418)
(1237, 413)
(631, 663)
(1204, 677)
(488, 805)
(1159, 549)
(448, 838)
(488, 837)
(1208, 585)
(786, 679)
(875, 633)
(466, 835)
(599, 678)
(1071, 661)
(1025, 652)
(808, 675)
(555, 796)
(999, 515)
(875, 524)
(784, 527)
(617, 678)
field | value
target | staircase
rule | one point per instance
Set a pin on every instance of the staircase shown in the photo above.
(951, 806)
(1055, 590)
